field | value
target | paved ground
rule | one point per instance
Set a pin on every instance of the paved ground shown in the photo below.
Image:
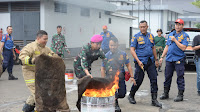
(14, 93)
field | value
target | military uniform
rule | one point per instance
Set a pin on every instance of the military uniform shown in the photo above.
(85, 58)
(160, 45)
(27, 56)
(106, 38)
(58, 44)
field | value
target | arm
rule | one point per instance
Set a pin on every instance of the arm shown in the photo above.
(154, 52)
(131, 72)
(53, 45)
(134, 54)
(26, 57)
(1, 46)
(84, 63)
(14, 56)
(65, 45)
(181, 46)
(195, 43)
(163, 54)
(103, 72)
(155, 56)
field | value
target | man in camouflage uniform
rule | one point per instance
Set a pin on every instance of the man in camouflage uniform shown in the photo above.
(58, 44)
(27, 56)
(88, 54)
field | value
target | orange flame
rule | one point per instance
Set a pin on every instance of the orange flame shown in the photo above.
(105, 92)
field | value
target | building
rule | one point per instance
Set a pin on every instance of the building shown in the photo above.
(160, 13)
(80, 19)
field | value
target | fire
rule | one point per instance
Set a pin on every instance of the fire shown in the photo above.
(105, 92)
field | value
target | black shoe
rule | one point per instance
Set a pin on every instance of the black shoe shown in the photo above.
(11, 77)
(159, 70)
(199, 93)
(28, 108)
(131, 99)
(155, 101)
(117, 108)
(165, 95)
(179, 96)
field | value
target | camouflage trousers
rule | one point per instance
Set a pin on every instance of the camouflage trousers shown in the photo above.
(79, 72)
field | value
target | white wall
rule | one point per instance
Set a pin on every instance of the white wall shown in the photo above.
(5, 21)
(158, 19)
(80, 29)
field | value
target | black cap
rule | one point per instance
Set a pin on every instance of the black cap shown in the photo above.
(159, 30)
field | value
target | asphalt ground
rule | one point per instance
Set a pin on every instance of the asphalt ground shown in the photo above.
(13, 94)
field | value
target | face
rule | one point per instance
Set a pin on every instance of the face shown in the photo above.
(104, 30)
(43, 40)
(159, 33)
(59, 30)
(143, 27)
(113, 46)
(9, 30)
(179, 27)
(96, 46)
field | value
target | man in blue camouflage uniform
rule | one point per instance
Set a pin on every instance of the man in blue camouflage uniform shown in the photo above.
(8, 52)
(115, 60)
(176, 44)
(106, 38)
(145, 58)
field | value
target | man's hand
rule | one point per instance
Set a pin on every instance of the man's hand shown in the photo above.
(133, 80)
(173, 38)
(14, 57)
(90, 75)
(156, 62)
(68, 52)
(141, 65)
(160, 61)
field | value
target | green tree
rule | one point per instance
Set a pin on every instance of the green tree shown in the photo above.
(197, 25)
(197, 3)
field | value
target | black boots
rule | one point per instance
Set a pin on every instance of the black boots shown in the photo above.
(28, 108)
(155, 101)
(11, 77)
(117, 108)
(131, 98)
(159, 69)
(179, 96)
(165, 95)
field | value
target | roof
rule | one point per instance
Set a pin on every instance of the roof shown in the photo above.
(96, 4)
(17, 0)
(179, 6)
(123, 16)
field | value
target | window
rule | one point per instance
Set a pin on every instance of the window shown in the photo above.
(109, 20)
(122, 3)
(85, 12)
(99, 14)
(60, 7)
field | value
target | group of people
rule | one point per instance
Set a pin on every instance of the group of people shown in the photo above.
(148, 53)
